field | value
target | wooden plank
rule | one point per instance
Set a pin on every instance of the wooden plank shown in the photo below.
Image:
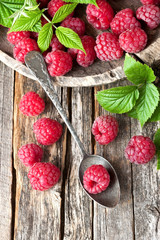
(117, 223)
(6, 127)
(146, 191)
(37, 214)
(78, 207)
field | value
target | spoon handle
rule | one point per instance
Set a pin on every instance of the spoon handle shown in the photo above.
(36, 64)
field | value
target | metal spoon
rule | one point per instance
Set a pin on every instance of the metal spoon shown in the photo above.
(111, 196)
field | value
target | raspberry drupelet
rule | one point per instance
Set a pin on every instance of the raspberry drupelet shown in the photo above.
(76, 24)
(15, 37)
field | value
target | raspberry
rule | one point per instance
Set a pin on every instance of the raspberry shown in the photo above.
(59, 63)
(55, 44)
(54, 5)
(150, 14)
(43, 176)
(96, 179)
(76, 24)
(107, 47)
(31, 104)
(23, 47)
(133, 41)
(43, 3)
(30, 154)
(87, 59)
(155, 2)
(47, 131)
(105, 129)
(100, 17)
(15, 37)
(73, 52)
(124, 20)
(140, 150)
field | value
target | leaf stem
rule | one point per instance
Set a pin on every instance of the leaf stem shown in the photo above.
(46, 18)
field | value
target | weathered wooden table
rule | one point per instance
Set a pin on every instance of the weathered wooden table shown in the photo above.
(65, 212)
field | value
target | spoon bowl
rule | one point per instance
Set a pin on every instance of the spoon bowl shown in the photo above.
(111, 196)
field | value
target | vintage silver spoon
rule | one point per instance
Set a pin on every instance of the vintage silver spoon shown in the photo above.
(111, 196)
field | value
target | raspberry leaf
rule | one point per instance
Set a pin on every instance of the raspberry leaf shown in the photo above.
(133, 113)
(27, 23)
(45, 36)
(157, 144)
(118, 100)
(63, 12)
(137, 72)
(69, 38)
(82, 1)
(147, 102)
(7, 8)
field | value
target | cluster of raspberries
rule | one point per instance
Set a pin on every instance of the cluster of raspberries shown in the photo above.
(42, 175)
(126, 35)
(96, 178)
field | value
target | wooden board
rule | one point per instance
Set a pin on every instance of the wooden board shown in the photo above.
(6, 168)
(100, 72)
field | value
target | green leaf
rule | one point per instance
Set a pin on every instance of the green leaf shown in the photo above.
(118, 100)
(157, 144)
(69, 38)
(63, 12)
(45, 36)
(158, 160)
(24, 23)
(147, 102)
(133, 113)
(137, 72)
(82, 1)
(156, 115)
(7, 8)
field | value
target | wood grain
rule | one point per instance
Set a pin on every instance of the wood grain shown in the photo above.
(78, 207)
(146, 191)
(37, 214)
(117, 223)
(6, 130)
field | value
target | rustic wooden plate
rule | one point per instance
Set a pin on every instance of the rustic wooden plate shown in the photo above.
(100, 72)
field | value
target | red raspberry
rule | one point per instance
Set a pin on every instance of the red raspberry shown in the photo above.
(105, 129)
(43, 3)
(140, 150)
(87, 59)
(47, 131)
(15, 37)
(30, 154)
(43, 176)
(124, 20)
(55, 44)
(23, 47)
(150, 14)
(76, 24)
(133, 41)
(59, 63)
(100, 17)
(54, 5)
(73, 52)
(96, 179)
(107, 47)
(31, 104)
(155, 2)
